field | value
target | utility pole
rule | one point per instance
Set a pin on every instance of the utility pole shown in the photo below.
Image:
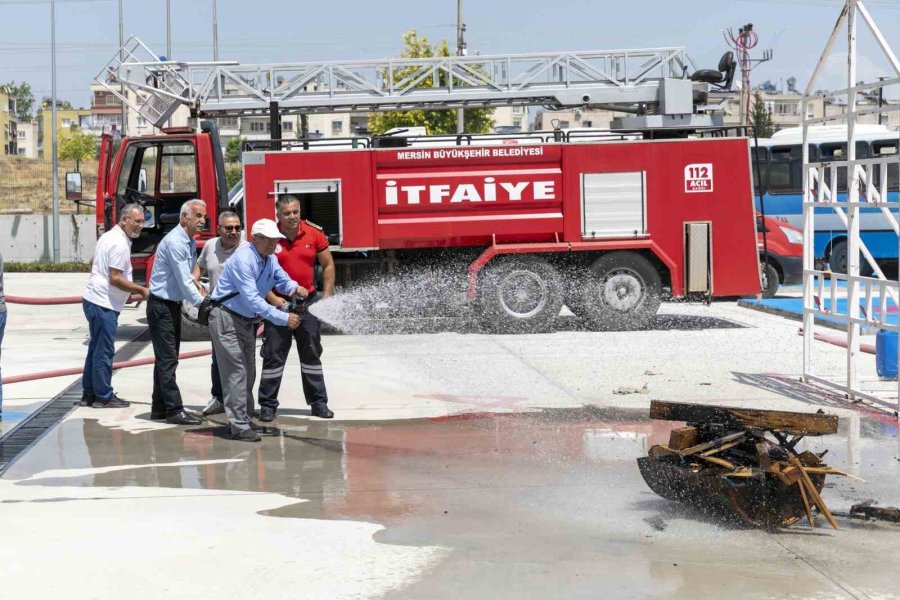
(169, 50)
(168, 29)
(881, 100)
(121, 60)
(215, 25)
(745, 40)
(53, 135)
(460, 51)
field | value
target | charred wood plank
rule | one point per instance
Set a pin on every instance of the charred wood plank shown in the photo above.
(791, 423)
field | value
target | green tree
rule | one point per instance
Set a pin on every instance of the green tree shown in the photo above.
(477, 120)
(233, 149)
(23, 96)
(761, 118)
(60, 104)
(76, 145)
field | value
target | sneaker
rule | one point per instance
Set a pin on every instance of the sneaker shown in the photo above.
(87, 399)
(246, 435)
(215, 407)
(113, 402)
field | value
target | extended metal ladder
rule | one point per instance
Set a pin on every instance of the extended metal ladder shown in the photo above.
(654, 79)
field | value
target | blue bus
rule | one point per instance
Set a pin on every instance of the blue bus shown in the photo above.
(780, 161)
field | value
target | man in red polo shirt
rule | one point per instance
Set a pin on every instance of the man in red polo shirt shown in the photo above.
(305, 245)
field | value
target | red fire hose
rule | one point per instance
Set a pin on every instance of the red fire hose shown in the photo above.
(44, 301)
(54, 300)
(125, 364)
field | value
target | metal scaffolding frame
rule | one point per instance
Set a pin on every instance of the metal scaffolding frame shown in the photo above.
(624, 79)
(870, 300)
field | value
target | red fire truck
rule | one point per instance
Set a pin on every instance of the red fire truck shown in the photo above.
(607, 228)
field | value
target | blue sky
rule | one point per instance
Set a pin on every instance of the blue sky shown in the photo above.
(301, 30)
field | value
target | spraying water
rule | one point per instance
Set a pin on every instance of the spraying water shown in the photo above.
(410, 301)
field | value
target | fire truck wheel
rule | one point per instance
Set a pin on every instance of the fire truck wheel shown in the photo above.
(621, 290)
(520, 295)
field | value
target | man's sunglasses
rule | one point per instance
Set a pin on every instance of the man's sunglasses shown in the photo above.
(231, 227)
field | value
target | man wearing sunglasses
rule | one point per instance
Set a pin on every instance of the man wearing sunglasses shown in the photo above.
(212, 262)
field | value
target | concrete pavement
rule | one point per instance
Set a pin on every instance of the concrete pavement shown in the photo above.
(459, 465)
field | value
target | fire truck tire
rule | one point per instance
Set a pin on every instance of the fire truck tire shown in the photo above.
(520, 295)
(621, 290)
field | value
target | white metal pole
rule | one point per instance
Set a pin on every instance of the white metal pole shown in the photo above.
(169, 51)
(121, 60)
(169, 29)
(853, 311)
(809, 317)
(460, 51)
(215, 31)
(54, 162)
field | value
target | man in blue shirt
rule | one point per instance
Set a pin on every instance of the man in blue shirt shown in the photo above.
(239, 305)
(171, 283)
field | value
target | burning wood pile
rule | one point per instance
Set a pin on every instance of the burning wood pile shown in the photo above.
(741, 463)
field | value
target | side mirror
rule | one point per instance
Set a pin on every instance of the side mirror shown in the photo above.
(142, 181)
(73, 186)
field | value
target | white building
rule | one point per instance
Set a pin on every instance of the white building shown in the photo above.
(27, 136)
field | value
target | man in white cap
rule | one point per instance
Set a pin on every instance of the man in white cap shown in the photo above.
(239, 305)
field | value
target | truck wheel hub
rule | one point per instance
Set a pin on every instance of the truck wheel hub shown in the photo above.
(622, 291)
(523, 294)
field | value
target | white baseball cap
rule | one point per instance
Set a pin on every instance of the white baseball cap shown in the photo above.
(266, 228)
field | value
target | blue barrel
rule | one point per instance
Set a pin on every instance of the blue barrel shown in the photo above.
(886, 353)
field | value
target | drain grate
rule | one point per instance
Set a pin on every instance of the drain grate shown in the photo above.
(24, 435)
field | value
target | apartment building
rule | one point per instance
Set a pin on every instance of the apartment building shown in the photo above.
(27, 139)
(8, 126)
(577, 118)
(510, 119)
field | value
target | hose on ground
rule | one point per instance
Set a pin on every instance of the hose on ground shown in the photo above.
(55, 300)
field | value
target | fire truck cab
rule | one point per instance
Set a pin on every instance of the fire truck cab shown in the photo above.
(515, 227)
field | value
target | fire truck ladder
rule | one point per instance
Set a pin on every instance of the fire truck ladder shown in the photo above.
(651, 81)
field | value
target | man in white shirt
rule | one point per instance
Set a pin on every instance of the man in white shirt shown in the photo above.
(108, 289)
(211, 261)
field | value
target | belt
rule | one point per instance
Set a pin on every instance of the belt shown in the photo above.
(239, 316)
(164, 300)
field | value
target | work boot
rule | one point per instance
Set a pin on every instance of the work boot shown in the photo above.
(266, 414)
(87, 399)
(321, 410)
(215, 407)
(113, 402)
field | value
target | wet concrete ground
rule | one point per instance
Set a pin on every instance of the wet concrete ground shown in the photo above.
(534, 505)
(461, 466)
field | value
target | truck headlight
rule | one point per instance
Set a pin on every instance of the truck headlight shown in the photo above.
(793, 236)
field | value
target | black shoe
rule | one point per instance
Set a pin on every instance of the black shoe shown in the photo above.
(114, 402)
(247, 435)
(321, 410)
(183, 418)
(266, 414)
(158, 416)
(87, 399)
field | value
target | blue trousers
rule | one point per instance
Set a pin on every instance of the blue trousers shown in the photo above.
(97, 376)
(2, 329)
